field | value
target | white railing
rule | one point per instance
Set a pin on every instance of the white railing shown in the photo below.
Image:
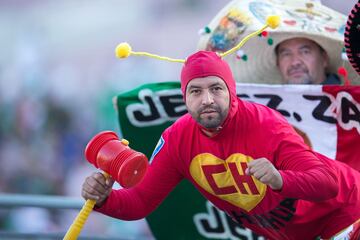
(48, 202)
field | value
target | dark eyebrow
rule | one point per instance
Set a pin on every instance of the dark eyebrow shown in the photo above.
(212, 85)
(305, 47)
(216, 84)
(279, 50)
(192, 86)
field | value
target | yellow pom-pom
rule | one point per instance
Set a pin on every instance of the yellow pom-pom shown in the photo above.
(273, 21)
(123, 50)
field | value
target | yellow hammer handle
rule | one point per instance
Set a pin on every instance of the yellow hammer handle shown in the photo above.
(76, 227)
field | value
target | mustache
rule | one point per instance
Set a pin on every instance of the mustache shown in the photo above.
(209, 109)
(297, 68)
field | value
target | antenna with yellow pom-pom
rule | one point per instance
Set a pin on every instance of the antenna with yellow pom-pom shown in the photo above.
(123, 50)
(271, 21)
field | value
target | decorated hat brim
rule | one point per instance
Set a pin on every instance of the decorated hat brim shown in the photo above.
(257, 61)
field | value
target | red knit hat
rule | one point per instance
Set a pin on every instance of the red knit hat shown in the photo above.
(203, 64)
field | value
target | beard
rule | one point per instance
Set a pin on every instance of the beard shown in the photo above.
(305, 78)
(210, 121)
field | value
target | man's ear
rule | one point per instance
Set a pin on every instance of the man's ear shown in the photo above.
(326, 58)
(276, 53)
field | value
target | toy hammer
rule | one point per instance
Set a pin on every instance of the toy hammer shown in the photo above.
(116, 159)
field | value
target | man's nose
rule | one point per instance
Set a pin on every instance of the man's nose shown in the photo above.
(296, 60)
(207, 98)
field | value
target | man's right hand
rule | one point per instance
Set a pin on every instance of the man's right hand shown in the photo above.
(97, 187)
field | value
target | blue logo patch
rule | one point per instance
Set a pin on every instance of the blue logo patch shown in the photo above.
(157, 149)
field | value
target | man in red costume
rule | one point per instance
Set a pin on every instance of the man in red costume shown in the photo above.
(243, 157)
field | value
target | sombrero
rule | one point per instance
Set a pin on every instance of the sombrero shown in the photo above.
(352, 37)
(256, 61)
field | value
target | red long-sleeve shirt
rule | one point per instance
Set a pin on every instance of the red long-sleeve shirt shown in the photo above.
(319, 196)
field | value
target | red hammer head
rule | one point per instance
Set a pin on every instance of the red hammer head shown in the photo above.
(107, 152)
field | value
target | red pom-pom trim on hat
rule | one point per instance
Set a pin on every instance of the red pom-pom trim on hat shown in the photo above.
(343, 72)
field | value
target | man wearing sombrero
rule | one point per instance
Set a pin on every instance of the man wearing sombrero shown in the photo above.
(303, 61)
(307, 30)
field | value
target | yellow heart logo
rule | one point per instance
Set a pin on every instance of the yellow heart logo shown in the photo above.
(227, 180)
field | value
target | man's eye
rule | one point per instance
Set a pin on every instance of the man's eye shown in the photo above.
(284, 54)
(306, 51)
(195, 91)
(217, 89)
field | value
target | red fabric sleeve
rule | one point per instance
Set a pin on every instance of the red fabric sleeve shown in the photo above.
(138, 202)
(305, 176)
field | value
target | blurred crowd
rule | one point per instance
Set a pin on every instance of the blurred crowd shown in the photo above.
(43, 133)
(46, 122)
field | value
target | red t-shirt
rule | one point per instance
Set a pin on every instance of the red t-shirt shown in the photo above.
(320, 196)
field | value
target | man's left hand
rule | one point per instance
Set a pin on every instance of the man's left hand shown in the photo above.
(264, 171)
